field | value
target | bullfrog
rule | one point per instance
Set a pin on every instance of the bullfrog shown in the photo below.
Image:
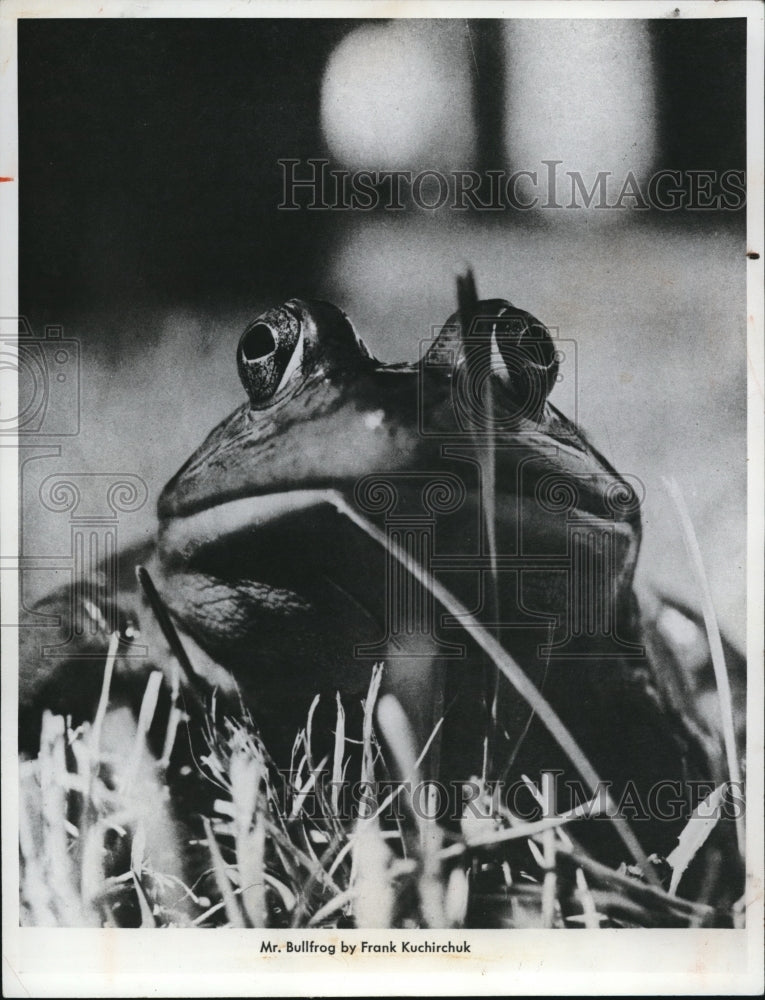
(441, 517)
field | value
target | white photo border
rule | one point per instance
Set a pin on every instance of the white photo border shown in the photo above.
(81, 963)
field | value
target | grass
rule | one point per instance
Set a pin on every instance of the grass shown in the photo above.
(102, 846)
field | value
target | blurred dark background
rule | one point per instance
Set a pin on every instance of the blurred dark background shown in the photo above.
(149, 230)
(148, 148)
(148, 156)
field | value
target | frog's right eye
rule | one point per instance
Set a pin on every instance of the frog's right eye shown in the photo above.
(269, 352)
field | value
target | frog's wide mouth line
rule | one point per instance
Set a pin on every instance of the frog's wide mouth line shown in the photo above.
(536, 454)
(185, 537)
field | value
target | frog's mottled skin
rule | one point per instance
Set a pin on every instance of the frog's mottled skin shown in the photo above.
(272, 591)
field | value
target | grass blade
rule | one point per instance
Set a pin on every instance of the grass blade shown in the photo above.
(233, 912)
(715, 645)
(145, 717)
(549, 886)
(103, 701)
(694, 835)
(337, 759)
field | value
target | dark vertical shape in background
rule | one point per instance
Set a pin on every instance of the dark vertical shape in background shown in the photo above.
(488, 75)
(701, 83)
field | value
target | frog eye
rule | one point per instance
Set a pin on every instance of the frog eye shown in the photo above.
(502, 344)
(268, 353)
(512, 345)
(530, 359)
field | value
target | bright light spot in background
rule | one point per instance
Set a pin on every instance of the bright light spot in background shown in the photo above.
(581, 92)
(400, 96)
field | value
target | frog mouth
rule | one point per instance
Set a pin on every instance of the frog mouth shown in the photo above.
(305, 542)
(184, 539)
(562, 484)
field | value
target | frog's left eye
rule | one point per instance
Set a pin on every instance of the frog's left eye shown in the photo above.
(269, 351)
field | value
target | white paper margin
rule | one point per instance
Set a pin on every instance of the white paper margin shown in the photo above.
(83, 963)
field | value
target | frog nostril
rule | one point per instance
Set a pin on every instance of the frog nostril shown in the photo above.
(257, 342)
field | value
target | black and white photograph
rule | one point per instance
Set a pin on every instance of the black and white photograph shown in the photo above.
(382, 489)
